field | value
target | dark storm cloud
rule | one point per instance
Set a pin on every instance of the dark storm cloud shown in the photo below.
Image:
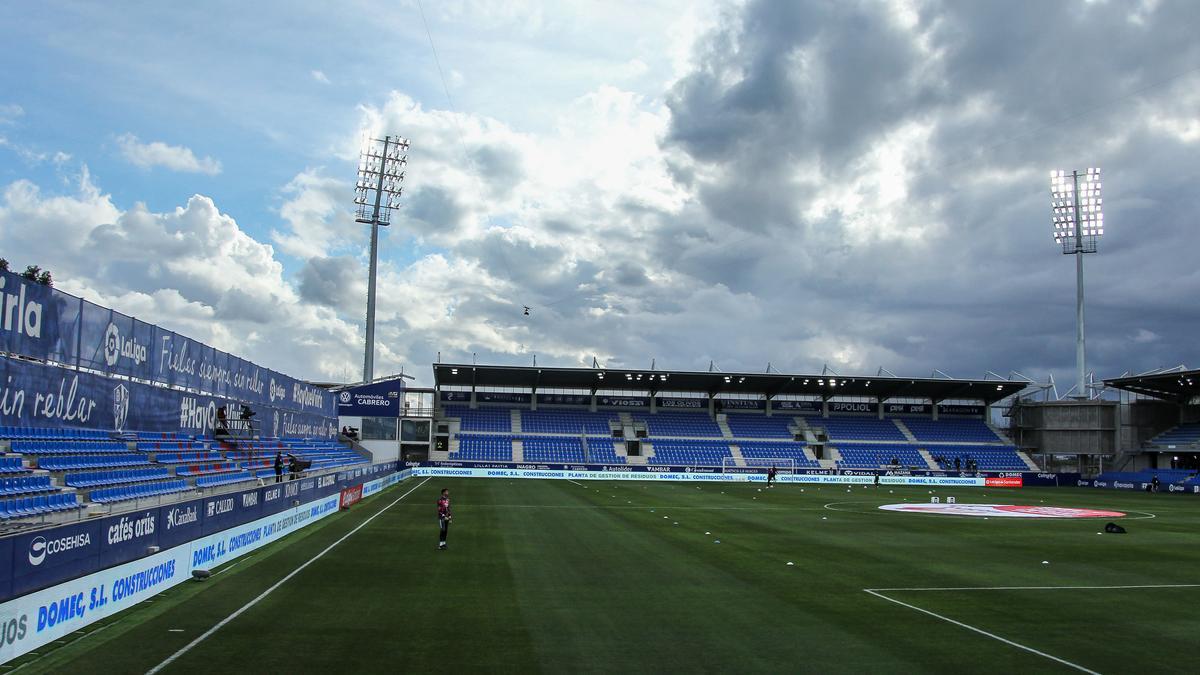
(789, 98)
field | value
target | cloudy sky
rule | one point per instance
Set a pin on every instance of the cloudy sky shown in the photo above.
(858, 184)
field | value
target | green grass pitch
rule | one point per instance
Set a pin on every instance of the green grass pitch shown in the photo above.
(558, 576)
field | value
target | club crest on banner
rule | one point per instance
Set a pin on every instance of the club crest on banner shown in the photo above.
(120, 407)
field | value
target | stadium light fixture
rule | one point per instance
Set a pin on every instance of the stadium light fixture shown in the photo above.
(1078, 220)
(377, 193)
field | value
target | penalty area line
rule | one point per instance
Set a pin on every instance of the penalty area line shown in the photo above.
(1035, 588)
(208, 633)
(985, 633)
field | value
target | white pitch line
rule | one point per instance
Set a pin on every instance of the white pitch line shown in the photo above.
(579, 484)
(1035, 588)
(969, 627)
(39, 658)
(277, 584)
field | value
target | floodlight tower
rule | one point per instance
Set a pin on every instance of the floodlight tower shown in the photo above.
(380, 171)
(1078, 223)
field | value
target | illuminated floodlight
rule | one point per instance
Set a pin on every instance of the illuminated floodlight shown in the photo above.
(1077, 219)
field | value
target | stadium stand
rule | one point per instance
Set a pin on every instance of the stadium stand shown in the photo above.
(698, 425)
(766, 450)
(72, 462)
(875, 455)
(689, 452)
(566, 422)
(481, 448)
(12, 465)
(1184, 434)
(482, 419)
(25, 485)
(139, 491)
(36, 506)
(1165, 476)
(106, 478)
(986, 457)
(951, 430)
(759, 426)
(859, 429)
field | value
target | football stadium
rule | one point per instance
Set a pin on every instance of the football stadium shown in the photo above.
(196, 477)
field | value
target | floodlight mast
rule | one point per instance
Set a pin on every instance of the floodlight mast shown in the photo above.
(380, 170)
(1078, 222)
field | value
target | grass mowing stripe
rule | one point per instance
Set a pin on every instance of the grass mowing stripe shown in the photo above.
(277, 584)
(969, 627)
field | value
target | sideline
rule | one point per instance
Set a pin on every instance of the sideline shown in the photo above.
(208, 633)
(969, 627)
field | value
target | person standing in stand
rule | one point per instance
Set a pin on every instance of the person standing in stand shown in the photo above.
(444, 516)
(278, 467)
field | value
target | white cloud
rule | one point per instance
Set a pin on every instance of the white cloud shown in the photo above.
(9, 112)
(173, 157)
(320, 76)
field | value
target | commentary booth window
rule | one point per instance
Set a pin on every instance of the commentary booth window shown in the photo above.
(378, 429)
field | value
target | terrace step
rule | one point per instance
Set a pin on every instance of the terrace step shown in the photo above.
(928, 459)
(515, 416)
(723, 424)
(518, 449)
(1028, 461)
(832, 457)
(736, 452)
(904, 430)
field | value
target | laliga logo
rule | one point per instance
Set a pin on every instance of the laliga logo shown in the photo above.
(120, 407)
(37, 551)
(344, 397)
(115, 347)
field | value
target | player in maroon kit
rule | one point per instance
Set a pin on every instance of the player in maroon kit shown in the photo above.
(443, 518)
(771, 476)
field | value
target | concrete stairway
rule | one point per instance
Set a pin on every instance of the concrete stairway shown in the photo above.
(723, 424)
(904, 430)
(1028, 461)
(518, 449)
(929, 463)
(736, 451)
(832, 457)
(516, 420)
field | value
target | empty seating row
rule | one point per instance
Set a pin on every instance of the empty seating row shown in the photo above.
(138, 491)
(1184, 434)
(206, 469)
(875, 456)
(224, 479)
(36, 506)
(759, 426)
(792, 451)
(859, 429)
(26, 485)
(100, 478)
(985, 457)
(951, 430)
(689, 453)
(12, 465)
(71, 462)
(155, 446)
(482, 419)
(1147, 475)
(484, 449)
(566, 421)
(67, 447)
(44, 433)
(186, 457)
(698, 425)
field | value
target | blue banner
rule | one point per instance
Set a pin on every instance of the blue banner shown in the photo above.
(852, 407)
(456, 396)
(799, 406)
(742, 404)
(564, 399)
(42, 558)
(965, 410)
(42, 323)
(676, 403)
(378, 399)
(38, 395)
(623, 401)
(906, 409)
(501, 397)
